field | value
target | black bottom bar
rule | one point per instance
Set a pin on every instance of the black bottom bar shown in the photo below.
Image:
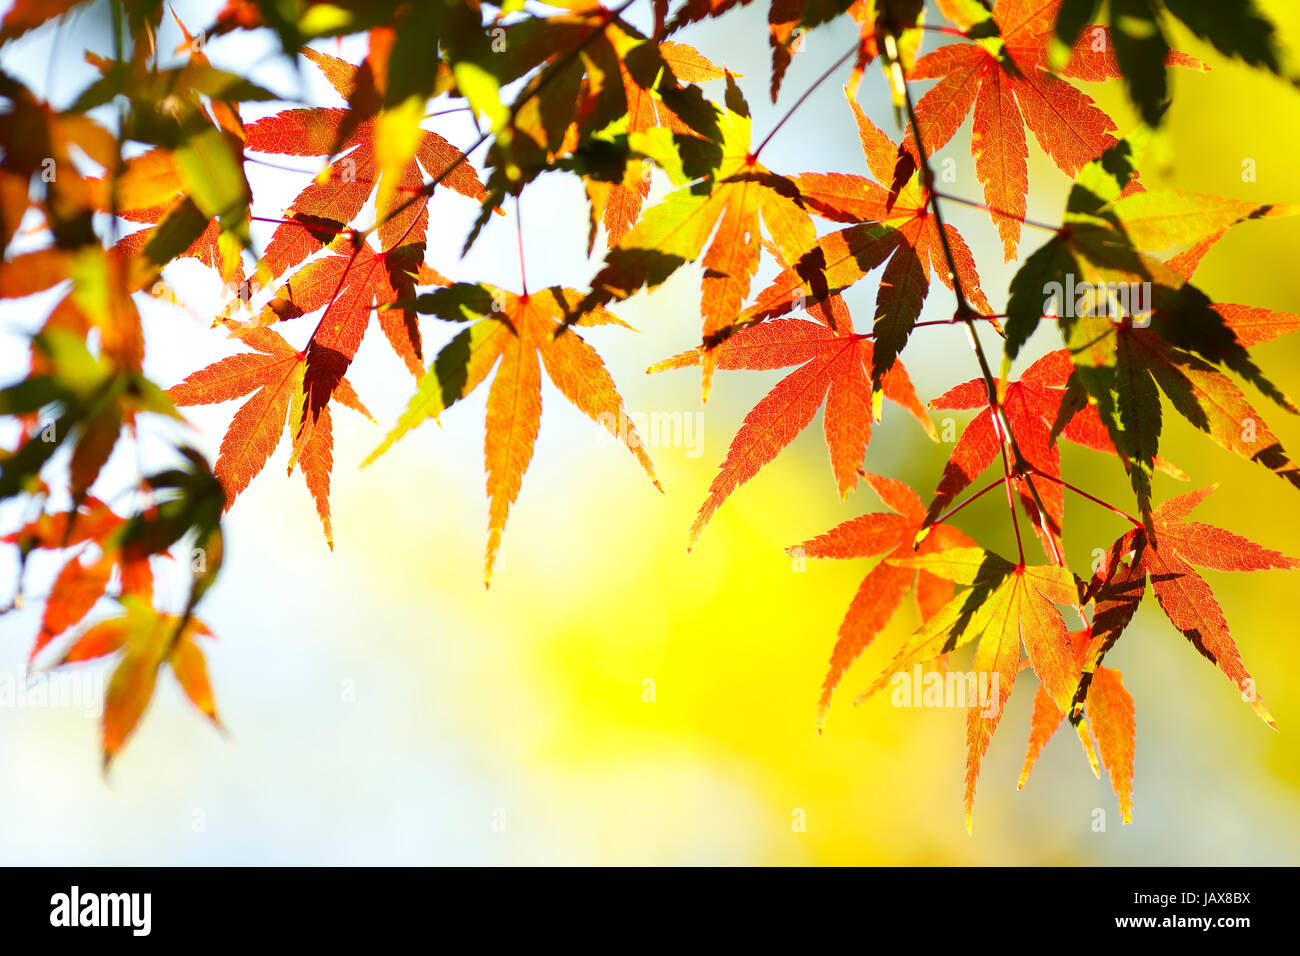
(333, 906)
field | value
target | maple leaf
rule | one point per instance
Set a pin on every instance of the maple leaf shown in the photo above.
(390, 88)
(790, 20)
(397, 78)
(618, 204)
(274, 375)
(339, 192)
(1006, 77)
(92, 398)
(1165, 554)
(191, 188)
(75, 590)
(1030, 407)
(348, 283)
(352, 279)
(1142, 51)
(725, 205)
(1005, 606)
(1111, 718)
(833, 363)
(33, 136)
(89, 529)
(147, 639)
(904, 238)
(108, 547)
(586, 72)
(91, 520)
(784, 36)
(693, 11)
(1104, 245)
(151, 190)
(1035, 410)
(187, 504)
(1252, 325)
(881, 593)
(27, 15)
(1115, 592)
(523, 333)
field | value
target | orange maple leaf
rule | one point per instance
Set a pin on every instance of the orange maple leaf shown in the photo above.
(1005, 606)
(881, 592)
(1008, 79)
(833, 368)
(1111, 718)
(523, 332)
(339, 192)
(274, 374)
(721, 211)
(902, 236)
(1032, 408)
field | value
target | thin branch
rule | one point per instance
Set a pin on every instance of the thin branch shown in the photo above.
(309, 226)
(519, 239)
(423, 194)
(955, 320)
(1083, 494)
(964, 312)
(608, 17)
(1011, 505)
(1001, 212)
(958, 507)
(287, 169)
(950, 31)
(807, 93)
(932, 322)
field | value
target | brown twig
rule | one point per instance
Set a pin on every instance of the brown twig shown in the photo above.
(1013, 461)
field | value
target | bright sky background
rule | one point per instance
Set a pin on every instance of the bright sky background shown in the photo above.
(382, 708)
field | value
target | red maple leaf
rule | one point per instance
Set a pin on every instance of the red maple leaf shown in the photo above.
(337, 195)
(834, 367)
(1167, 553)
(1032, 407)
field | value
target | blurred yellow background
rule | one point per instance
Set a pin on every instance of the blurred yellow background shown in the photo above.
(382, 707)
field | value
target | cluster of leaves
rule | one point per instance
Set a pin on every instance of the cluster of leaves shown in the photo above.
(579, 90)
